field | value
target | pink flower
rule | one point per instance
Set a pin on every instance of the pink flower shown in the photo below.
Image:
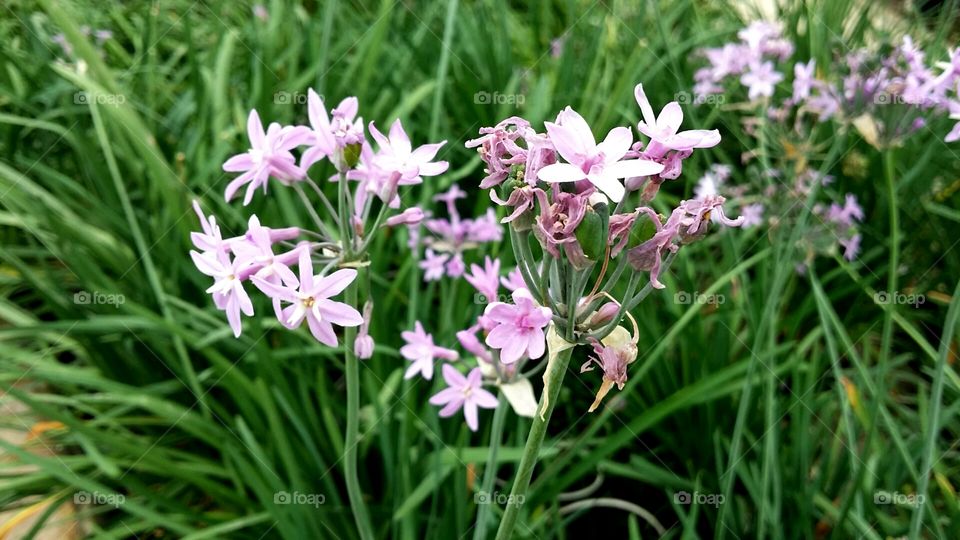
(410, 216)
(518, 329)
(397, 156)
(486, 280)
(227, 289)
(468, 340)
(422, 352)
(761, 80)
(311, 301)
(209, 239)
(330, 135)
(463, 393)
(513, 280)
(598, 163)
(269, 155)
(663, 129)
(433, 265)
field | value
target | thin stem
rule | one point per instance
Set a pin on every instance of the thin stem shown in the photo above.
(531, 451)
(351, 443)
(490, 472)
(321, 226)
(324, 199)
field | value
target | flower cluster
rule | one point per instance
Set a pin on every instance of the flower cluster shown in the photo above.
(450, 236)
(886, 94)
(364, 171)
(586, 204)
(514, 335)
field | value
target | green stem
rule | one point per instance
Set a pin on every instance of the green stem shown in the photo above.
(353, 426)
(490, 472)
(531, 452)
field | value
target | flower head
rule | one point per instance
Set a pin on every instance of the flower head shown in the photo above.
(463, 393)
(664, 129)
(518, 327)
(269, 155)
(422, 352)
(586, 160)
(485, 280)
(310, 300)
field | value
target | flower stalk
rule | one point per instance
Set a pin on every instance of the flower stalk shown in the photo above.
(553, 379)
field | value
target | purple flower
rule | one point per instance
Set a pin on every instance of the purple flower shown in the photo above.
(851, 247)
(269, 155)
(463, 393)
(485, 280)
(663, 129)
(586, 160)
(761, 80)
(422, 352)
(518, 329)
(311, 301)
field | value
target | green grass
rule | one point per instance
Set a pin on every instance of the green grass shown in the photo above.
(797, 399)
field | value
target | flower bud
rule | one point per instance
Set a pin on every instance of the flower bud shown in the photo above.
(410, 216)
(591, 233)
(351, 155)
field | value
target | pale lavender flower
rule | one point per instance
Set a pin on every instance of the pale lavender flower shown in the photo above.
(398, 157)
(485, 280)
(463, 393)
(663, 129)
(513, 280)
(851, 247)
(804, 76)
(433, 265)
(761, 80)
(227, 289)
(518, 329)
(310, 300)
(752, 215)
(586, 160)
(422, 352)
(269, 155)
